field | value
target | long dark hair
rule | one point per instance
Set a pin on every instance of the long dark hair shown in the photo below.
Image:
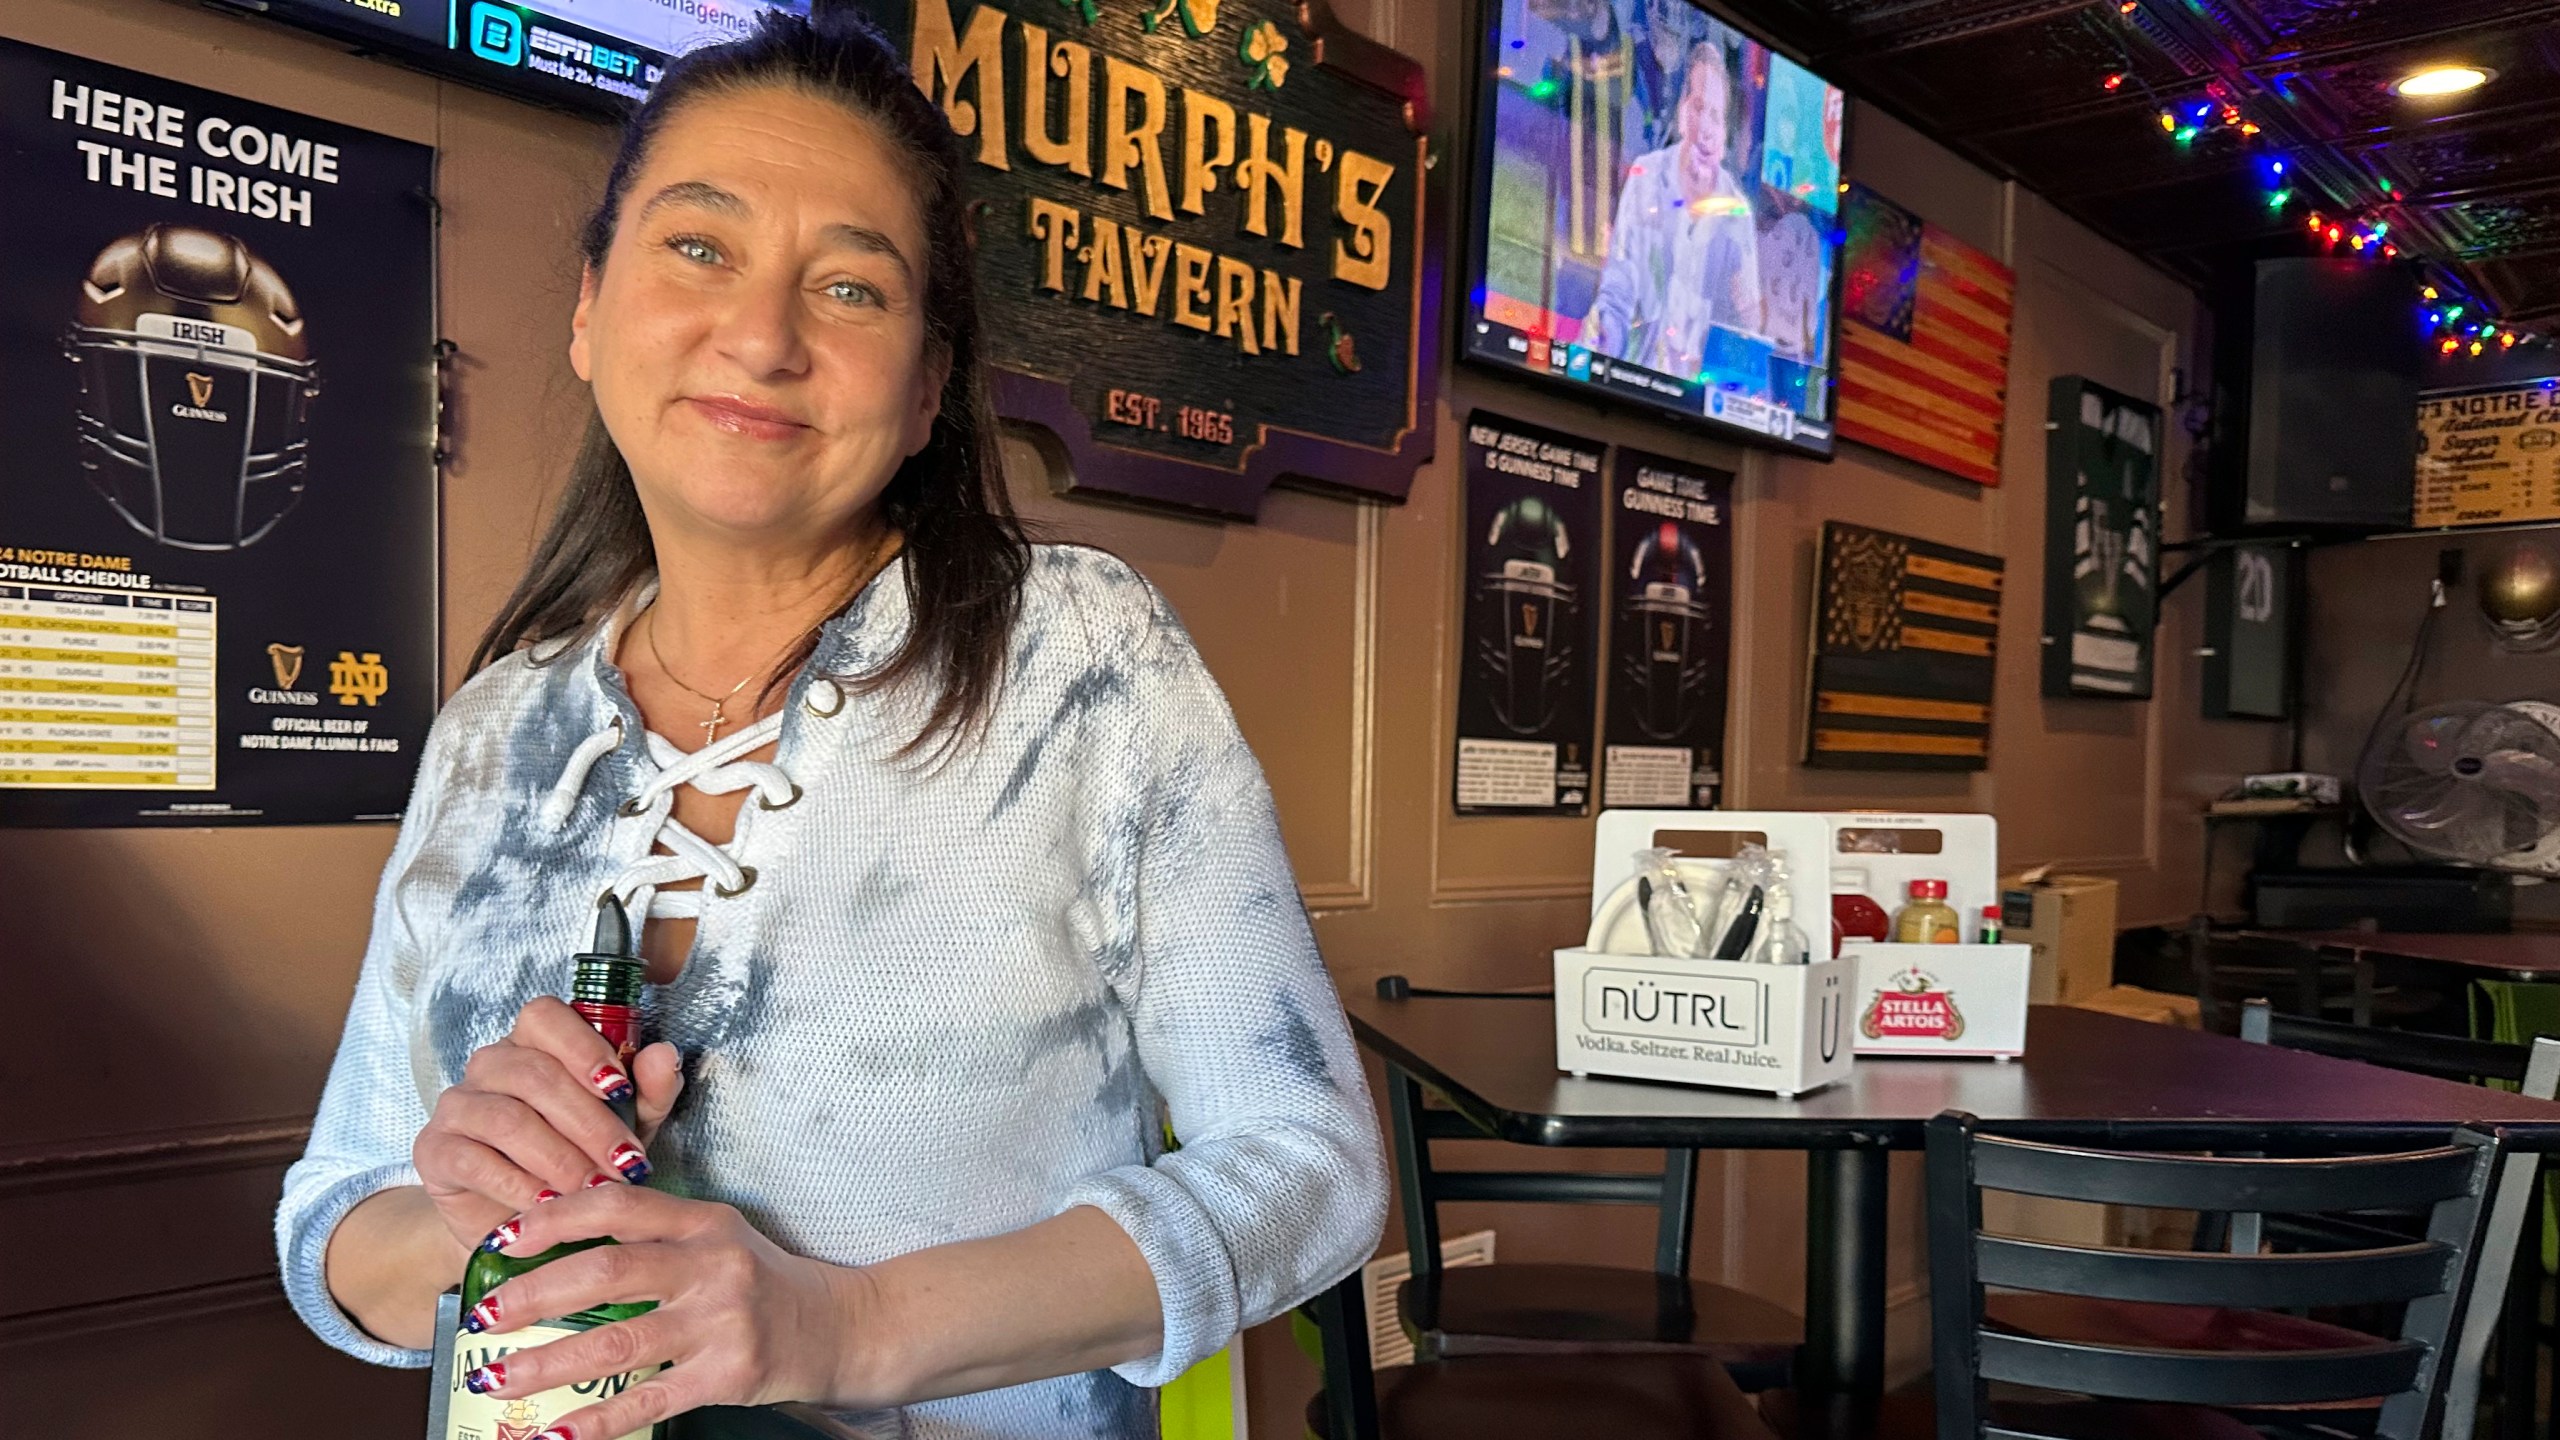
(966, 554)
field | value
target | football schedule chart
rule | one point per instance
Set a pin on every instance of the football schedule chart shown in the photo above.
(106, 689)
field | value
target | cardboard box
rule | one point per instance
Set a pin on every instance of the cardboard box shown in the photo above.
(2070, 923)
(2154, 1006)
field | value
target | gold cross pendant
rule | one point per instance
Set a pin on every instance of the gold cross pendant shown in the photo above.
(711, 727)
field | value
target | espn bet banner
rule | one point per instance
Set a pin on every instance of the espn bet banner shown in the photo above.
(217, 468)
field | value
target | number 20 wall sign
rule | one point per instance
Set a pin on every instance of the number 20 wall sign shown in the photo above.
(1199, 224)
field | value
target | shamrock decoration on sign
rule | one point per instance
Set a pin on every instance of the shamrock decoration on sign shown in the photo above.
(1339, 348)
(1199, 17)
(1086, 10)
(1260, 50)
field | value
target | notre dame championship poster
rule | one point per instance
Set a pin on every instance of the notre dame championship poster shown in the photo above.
(1528, 680)
(217, 478)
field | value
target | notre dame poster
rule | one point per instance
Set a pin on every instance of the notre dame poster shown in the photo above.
(217, 472)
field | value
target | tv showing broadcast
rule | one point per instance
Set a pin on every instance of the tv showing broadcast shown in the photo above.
(1658, 221)
(584, 54)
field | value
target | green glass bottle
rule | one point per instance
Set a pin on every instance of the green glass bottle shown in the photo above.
(606, 991)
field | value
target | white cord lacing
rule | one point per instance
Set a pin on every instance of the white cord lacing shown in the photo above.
(715, 769)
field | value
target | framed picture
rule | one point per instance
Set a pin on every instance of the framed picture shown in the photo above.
(1903, 637)
(2102, 540)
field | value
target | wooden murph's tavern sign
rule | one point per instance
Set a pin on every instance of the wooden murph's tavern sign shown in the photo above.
(1200, 239)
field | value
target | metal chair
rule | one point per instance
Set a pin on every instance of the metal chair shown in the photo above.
(2181, 1390)
(1625, 1395)
(2505, 1298)
(2302, 980)
(1518, 1309)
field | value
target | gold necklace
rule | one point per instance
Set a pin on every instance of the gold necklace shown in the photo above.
(719, 703)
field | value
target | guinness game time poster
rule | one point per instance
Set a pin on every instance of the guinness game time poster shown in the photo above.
(1670, 632)
(1527, 683)
(217, 473)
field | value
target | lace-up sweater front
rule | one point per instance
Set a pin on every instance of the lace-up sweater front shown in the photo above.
(923, 1004)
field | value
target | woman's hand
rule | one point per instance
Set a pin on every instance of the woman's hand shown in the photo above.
(528, 1121)
(743, 1321)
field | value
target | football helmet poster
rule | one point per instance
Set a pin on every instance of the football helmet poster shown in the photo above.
(1527, 678)
(218, 507)
(1670, 626)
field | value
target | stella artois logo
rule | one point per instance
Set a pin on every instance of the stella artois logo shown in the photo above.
(1912, 1007)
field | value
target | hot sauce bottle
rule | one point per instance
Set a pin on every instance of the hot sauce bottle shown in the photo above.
(606, 991)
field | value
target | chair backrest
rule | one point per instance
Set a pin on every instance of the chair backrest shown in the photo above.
(2431, 1274)
(1422, 1186)
(2535, 1071)
(2447, 1057)
(2230, 968)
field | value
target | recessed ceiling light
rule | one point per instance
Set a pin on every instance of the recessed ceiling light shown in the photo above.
(2442, 80)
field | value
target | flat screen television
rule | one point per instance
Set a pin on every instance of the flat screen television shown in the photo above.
(1656, 215)
(598, 55)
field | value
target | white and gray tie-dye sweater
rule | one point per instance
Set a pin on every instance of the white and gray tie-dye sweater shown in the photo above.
(950, 1004)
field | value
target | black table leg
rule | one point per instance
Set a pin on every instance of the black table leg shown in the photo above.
(1844, 1289)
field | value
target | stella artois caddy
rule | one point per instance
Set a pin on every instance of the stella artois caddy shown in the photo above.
(1962, 999)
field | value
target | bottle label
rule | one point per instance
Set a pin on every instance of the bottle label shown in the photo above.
(618, 1024)
(514, 1417)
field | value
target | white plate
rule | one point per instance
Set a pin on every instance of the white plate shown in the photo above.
(1617, 927)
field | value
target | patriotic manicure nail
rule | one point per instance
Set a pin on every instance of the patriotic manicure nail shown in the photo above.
(626, 1157)
(609, 1082)
(504, 1236)
(559, 1432)
(545, 1195)
(595, 1182)
(487, 1378)
(483, 1316)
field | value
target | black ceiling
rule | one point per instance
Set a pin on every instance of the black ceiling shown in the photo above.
(2019, 86)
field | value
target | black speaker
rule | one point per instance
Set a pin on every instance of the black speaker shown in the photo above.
(2316, 365)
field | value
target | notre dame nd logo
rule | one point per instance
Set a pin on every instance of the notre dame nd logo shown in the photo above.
(353, 678)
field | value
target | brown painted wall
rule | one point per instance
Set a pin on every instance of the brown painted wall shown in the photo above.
(182, 990)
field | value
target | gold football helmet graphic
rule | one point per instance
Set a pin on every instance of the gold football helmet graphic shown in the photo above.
(196, 381)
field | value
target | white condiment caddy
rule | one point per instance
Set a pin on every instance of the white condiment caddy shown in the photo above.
(1776, 1029)
(1948, 1000)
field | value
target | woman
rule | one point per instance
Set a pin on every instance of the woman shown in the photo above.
(960, 885)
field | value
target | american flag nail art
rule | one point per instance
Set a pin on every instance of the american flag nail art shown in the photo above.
(609, 1082)
(559, 1432)
(483, 1316)
(593, 1181)
(487, 1378)
(626, 1157)
(504, 1236)
(545, 1194)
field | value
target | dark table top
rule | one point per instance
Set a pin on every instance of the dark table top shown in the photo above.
(2525, 955)
(2087, 1078)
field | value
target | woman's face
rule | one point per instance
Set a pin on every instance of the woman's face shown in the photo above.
(756, 335)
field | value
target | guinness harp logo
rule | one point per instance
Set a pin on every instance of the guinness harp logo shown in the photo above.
(1529, 620)
(286, 658)
(200, 394)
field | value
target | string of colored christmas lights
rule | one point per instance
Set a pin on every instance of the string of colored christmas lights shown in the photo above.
(2456, 321)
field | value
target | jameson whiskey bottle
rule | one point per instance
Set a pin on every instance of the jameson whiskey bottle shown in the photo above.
(606, 991)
